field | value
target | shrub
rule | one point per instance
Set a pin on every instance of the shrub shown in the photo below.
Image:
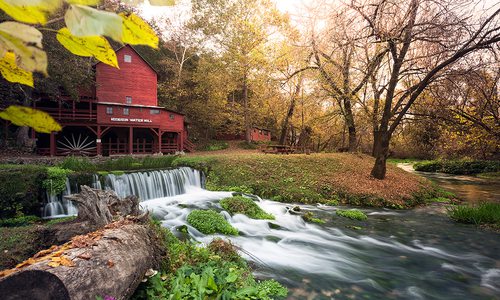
(55, 183)
(210, 222)
(353, 214)
(246, 206)
(19, 221)
(21, 191)
(458, 167)
(483, 213)
(78, 164)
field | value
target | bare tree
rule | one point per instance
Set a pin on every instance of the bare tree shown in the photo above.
(425, 39)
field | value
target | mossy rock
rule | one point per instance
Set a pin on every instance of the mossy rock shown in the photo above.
(246, 206)
(210, 222)
(353, 214)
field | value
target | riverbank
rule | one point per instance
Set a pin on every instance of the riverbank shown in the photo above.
(316, 178)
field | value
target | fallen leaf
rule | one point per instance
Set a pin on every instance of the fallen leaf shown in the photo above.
(56, 259)
(86, 255)
(53, 264)
(7, 272)
(110, 263)
(67, 262)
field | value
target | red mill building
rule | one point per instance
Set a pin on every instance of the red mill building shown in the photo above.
(120, 116)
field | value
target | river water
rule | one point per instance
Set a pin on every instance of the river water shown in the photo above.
(416, 254)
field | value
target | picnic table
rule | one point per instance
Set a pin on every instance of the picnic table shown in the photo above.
(278, 149)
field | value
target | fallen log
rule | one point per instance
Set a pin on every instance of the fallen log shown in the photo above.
(111, 261)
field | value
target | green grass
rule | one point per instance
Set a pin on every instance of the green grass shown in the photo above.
(17, 244)
(396, 161)
(212, 145)
(458, 167)
(127, 163)
(246, 206)
(310, 179)
(483, 213)
(210, 222)
(353, 214)
(19, 221)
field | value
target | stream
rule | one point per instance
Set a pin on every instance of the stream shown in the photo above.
(413, 254)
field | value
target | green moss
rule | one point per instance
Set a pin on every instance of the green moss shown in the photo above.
(246, 206)
(210, 222)
(60, 220)
(353, 214)
(483, 213)
(309, 217)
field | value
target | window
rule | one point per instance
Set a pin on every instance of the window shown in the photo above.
(171, 116)
(127, 58)
(109, 110)
(128, 99)
(126, 112)
(154, 111)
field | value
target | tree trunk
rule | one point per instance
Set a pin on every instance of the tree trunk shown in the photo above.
(381, 151)
(108, 262)
(111, 262)
(248, 137)
(289, 115)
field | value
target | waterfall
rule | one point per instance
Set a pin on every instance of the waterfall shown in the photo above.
(154, 184)
(145, 185)
(57, 206)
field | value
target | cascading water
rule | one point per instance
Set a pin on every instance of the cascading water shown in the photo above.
(154, 184)
(145, 185)
(57, 206)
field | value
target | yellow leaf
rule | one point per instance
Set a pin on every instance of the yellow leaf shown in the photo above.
(162, 2)
(87, 21)
(11, 72)
(137, 32)
(53, 264)
(26, 42)
(56, 259)
(92, 46)
(65, 261)
(26, 116)
(85, 2)
(30, 11)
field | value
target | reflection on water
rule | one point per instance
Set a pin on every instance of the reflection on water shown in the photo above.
(395, 254)
(468, 188)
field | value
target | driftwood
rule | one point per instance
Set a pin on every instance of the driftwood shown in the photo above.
(97, 207)
(111, 261)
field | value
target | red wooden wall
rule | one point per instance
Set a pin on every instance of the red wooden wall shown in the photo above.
(140, 117)
(135, 79)
(260, 135)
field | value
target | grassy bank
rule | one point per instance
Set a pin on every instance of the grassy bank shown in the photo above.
(216, 271)
(485, 214)
(458, 167)
(312, 178)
